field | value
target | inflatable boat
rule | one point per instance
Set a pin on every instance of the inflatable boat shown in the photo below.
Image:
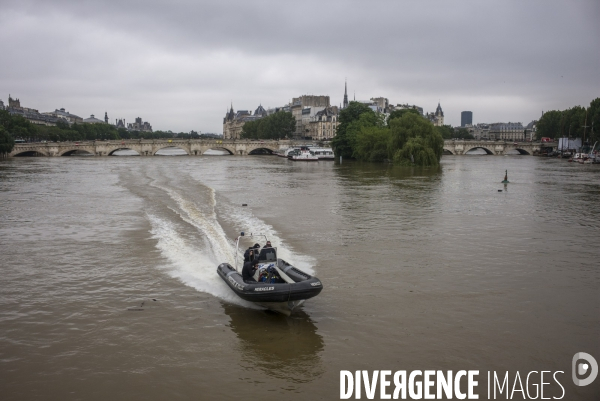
(279, 286)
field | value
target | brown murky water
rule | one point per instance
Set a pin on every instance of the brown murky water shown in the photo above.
(108, 284)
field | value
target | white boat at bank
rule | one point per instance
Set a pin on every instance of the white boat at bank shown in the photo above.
(286, 152)
(323, 153)
(303, 154)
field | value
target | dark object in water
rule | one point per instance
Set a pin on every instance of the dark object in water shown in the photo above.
(499, 190)
(244, 204)
(505, 177)
(134, 309)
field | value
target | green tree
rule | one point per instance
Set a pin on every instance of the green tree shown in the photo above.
(414, 140)
(416, 152)
(593, 120)
(6, 142)
(282, 125)
(372, 144)
(462, 133)
(265, 128)
(549, 125)
(17, 126)
(573, 120)
(250, 130)
(446, 131)
(276, 126)
(344, 141)
(401, 112)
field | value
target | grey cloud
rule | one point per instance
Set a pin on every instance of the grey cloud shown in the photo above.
(511, 59)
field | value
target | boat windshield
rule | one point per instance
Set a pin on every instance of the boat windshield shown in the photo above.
(262, 253)
(267, 255)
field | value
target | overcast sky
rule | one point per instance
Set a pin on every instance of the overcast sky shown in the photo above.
(179, 64)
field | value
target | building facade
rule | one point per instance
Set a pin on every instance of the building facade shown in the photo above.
(62, 113)
(466, 118)
(323, 124)
(508, 131)
(436, 118)
(31, 115)
(480, 131)
(382, 104)
(139, 125)
(530, 130)
(93, 120)
(233, 122)
(299, 104)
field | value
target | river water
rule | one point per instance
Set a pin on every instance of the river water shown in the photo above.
(109, 290)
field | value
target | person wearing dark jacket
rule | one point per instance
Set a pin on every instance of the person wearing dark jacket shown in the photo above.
(248, 271)
(249, 254)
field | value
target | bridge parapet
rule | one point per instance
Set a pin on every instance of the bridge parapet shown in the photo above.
(498, 148)
(149, 147)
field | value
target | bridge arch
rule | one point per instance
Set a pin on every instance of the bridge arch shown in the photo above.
(30, 153)
(261, 150)
(447, 152)
(112, 152)
(487, 151)
(70, 152)
(220, 148)
(170, 146)
(522, 151)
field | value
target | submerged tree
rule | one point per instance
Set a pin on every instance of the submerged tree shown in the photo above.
(372, 144)
(345, 135)
(407, 138)
(414, 140)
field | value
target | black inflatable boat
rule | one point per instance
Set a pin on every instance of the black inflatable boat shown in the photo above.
(280, 286)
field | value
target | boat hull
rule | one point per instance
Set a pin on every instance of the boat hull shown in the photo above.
(279, 297)
(304, 159)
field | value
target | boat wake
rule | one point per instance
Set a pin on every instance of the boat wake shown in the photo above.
(193, 241)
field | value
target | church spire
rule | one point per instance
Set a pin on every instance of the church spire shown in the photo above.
(346, 94)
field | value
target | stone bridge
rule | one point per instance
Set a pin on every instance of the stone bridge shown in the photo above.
(197, 147)
(460, 147)
(193, 147)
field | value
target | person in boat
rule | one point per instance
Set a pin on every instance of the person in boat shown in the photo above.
(251, 253)
(267, 253)
(248, 271)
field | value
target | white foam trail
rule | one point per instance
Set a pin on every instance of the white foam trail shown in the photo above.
(196, 267)
(193, 266)
(221, 246)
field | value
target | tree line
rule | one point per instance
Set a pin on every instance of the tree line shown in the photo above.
(276, 126)
(571, 123)
(449, 132)
(406, 138)
(16, 127)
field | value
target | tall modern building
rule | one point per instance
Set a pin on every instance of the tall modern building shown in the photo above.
(466, 118)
